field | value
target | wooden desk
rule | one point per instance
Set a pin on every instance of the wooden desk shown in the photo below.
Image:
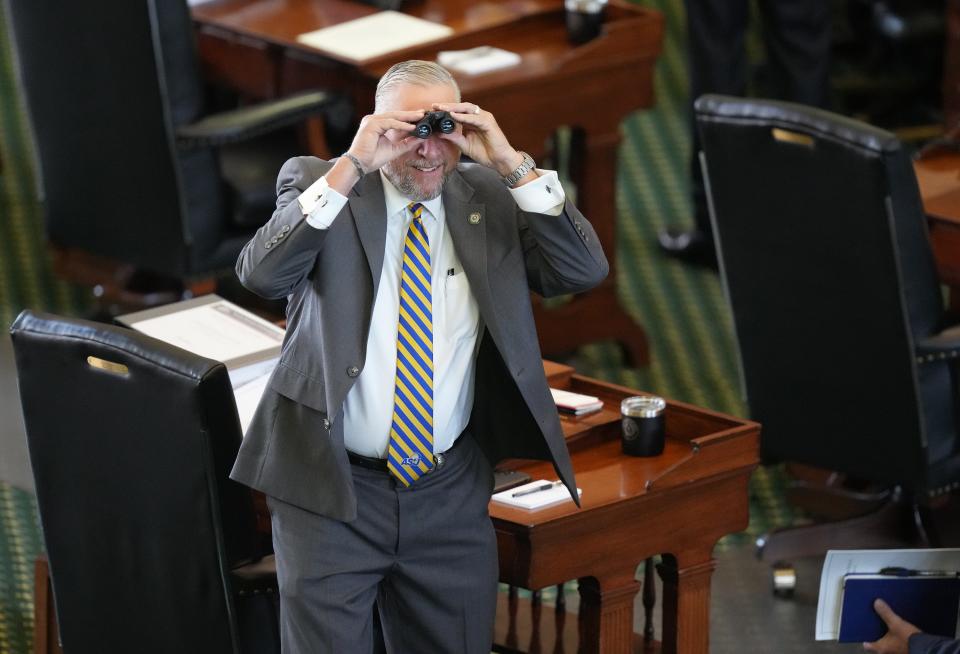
(939, 180)
(251, 46)
(678, 504)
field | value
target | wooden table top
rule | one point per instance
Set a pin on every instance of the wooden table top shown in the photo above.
(939, 180)
(699, 443)
(508, 24)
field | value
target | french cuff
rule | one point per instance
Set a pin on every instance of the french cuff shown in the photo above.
(321, 204)
(542, 195)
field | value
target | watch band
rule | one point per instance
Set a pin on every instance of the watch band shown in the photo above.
(525, 167)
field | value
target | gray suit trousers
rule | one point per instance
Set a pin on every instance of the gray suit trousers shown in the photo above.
(427, 554)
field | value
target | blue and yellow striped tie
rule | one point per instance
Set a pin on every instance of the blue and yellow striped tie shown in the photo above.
(410, 451)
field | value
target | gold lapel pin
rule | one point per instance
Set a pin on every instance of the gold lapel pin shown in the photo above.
(474, 218)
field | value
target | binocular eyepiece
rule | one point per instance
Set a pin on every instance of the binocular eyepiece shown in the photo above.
(434, 121)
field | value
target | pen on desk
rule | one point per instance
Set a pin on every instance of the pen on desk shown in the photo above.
(537, 489)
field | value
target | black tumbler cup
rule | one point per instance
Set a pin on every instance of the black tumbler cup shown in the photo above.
(584, 19)
(643, 422)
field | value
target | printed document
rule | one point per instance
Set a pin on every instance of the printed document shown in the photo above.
(374, 35)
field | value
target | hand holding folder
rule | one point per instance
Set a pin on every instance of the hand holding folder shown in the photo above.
(927, 599)
(899, 631)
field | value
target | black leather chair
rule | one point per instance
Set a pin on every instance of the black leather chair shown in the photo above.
(132, 167)
(151, 547)
(847, 355)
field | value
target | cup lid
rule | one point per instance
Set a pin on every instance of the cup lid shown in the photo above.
(585, 6)
(643, 406)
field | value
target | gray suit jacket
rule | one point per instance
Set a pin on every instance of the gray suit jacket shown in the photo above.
(927, 644)
(294, 448)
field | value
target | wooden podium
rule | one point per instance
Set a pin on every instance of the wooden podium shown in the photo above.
(939, 180)
(678, 505)
(251, 46)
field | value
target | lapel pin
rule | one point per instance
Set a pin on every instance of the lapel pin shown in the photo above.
(474, 218)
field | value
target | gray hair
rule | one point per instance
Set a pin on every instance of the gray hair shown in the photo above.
(414, 71)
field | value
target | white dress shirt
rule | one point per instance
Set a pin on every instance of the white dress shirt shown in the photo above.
(368, 409)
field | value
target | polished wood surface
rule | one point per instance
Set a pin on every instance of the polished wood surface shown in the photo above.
(939, 180)
(677, 505)
(251, 46)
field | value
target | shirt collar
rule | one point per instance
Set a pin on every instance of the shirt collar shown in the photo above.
(397, 202)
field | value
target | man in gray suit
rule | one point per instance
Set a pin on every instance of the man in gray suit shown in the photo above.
(410, 367)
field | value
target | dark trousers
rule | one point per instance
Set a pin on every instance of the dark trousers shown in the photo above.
(426, 555)
(797, 38)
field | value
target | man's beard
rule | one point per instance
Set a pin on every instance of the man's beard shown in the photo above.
(401, 176)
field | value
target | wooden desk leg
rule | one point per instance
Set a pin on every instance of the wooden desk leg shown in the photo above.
(41, 600)
(686, 605)
(46, 637)
(606, 614)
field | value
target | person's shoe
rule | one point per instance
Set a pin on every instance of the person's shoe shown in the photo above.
(692, 246)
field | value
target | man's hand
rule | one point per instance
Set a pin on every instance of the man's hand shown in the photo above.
(898, 632)
(481, 138)
(371, 145)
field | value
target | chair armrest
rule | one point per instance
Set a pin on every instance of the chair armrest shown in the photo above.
(248, 122)
(255, 578)
(945, 345)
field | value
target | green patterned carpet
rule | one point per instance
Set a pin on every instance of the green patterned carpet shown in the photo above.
(682, 309)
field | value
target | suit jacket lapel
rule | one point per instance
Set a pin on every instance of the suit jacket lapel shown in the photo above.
(369, 213)
(467, 222)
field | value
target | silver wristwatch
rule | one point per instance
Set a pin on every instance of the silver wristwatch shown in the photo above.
(525, 167)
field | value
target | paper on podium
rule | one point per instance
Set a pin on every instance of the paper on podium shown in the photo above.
(374, 35)
(538, 498)
(211, 327)
(843, 562)
(248, 394)
(475, 61)
(575, 403)
(218, 329)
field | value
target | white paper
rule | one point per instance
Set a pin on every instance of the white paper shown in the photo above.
(248, 397)
(244, 374)
(475, 61)
(374, 35)
(537, 500)
(841, 562)
(574, 400)
(249, 383)
(220, 331)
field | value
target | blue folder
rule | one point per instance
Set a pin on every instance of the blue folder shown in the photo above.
(929, 601)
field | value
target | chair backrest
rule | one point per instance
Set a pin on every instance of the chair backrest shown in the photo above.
(131, 442)
(104, 91)
(828, 270)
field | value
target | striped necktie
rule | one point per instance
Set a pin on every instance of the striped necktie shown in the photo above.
(410, 450)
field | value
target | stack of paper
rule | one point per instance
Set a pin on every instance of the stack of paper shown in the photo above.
(535, 495)
(374, 35)
(475, 61)
(218, 329)
(575, 403)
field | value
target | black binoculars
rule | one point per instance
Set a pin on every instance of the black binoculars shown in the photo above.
(434, 121)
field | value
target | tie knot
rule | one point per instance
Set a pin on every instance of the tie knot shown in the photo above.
(416, 209)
